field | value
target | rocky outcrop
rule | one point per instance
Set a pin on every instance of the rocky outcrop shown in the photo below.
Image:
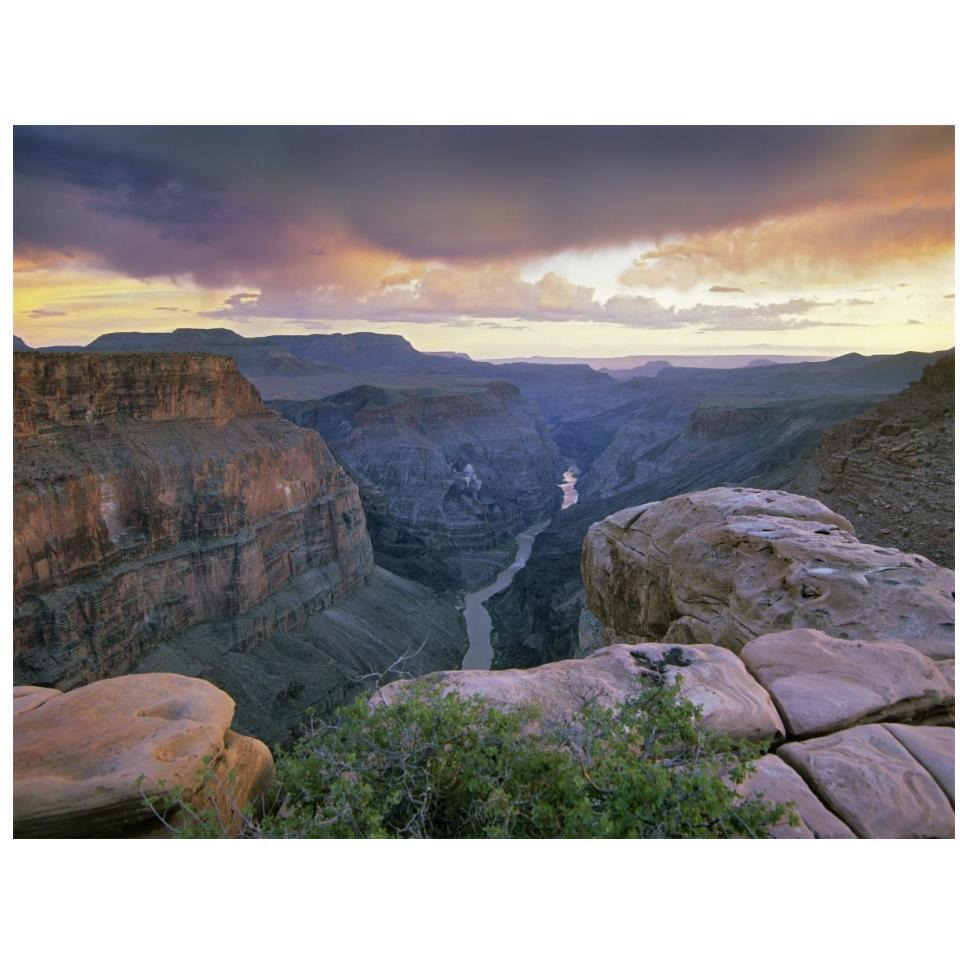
(821, 684)
(876, 786)
(713, 678)
(777, 782)
(156, 493)
(775, 561)
(440, 472)
(85, 760)
(891, 469)
(844, 637)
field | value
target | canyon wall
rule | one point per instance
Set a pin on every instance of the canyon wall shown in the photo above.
(891, 469)
(441, 472)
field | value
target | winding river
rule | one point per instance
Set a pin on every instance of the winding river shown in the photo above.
(479, 654)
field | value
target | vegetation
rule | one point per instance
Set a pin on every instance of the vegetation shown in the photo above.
(437, 765)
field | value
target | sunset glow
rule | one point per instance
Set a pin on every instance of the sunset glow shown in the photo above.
(493, 241)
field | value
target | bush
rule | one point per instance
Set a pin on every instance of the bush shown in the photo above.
(437, 765)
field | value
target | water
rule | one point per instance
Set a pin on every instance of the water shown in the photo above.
(480, 652)
(569, 487)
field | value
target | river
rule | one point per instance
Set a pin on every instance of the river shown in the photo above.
(479, 654)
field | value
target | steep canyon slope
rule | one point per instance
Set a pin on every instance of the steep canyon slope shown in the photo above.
(162, 512)
(442, 473)
(891, 469)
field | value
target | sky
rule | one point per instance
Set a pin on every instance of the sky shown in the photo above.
(494, 241)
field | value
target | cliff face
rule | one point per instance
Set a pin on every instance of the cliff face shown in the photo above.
(153, 493)
(891, 469)
(439, 471)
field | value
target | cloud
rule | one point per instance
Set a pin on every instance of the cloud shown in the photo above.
(826, 244)
(948, 296)
(911, 323)
(489, 294)
(42, 312)
(717, 288)
(858, 302)
(161, 201)
(173, 309)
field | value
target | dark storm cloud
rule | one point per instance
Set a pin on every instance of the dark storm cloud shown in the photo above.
(260, 203)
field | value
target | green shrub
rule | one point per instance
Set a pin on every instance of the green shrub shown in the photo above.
(437, 765)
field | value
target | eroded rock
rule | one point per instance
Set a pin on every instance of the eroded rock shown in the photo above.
(78, 756)
(934, 748)
(627, 557)
(733, 702)
(780, 783)
(821, 684)
(876, 786)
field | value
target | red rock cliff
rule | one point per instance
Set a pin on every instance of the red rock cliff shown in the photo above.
(155, 492)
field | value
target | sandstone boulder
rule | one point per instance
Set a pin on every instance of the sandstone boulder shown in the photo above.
(78, 756)
(821, 684)
(733, 702)
(746, 576)
(866, 777)
(626, 558)
(780, 783)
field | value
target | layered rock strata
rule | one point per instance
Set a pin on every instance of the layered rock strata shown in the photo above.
(891, 469)
(441, 472)
(153, 493)
(85, 760)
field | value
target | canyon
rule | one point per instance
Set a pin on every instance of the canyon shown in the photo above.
(443, 475)
(165, 518)
(777, 535)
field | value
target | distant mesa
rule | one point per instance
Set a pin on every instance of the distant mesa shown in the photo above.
(761, 362)
(20, 346)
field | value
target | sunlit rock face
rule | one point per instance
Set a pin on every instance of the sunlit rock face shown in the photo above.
(154, 493)
(84, 760)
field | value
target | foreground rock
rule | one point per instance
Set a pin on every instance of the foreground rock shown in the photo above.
(627, 558)
(933, 748)
(778, 782)
(713, 678)
(840, 634)
(78, 756)
(726, 565)
(821, 684)
(867, 777)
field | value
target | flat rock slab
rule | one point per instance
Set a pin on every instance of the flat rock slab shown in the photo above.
(747, 576)
(733, 702)
(780, 783)
(821, 684)
(876, 786)
(78, 755)
(934, 748)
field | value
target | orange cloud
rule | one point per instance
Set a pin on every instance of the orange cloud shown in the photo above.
(833, 244)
